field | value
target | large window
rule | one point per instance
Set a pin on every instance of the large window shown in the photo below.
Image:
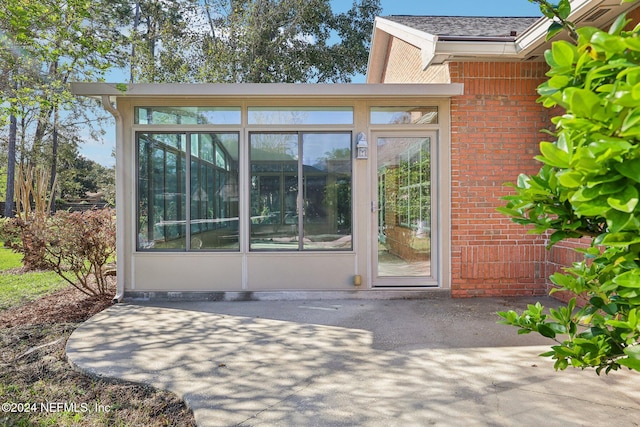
(300, 191)
(187, 191)
(187, 115)
(294, 194)
(403, 115)
(300, 115)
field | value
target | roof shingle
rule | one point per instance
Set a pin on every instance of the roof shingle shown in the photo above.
(466, 26)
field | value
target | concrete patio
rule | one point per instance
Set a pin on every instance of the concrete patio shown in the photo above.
(436, 361)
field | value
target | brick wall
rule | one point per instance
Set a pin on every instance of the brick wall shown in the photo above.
(494, 136)
(634, 16)
(563, 254)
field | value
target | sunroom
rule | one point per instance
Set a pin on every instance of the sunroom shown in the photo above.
(267, 190)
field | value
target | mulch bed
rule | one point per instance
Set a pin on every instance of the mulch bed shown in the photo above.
(33, 363)
(67, 305)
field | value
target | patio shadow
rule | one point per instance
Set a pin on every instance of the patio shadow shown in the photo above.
(346, 363)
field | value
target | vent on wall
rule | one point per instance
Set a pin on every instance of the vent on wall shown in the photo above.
(596, 15)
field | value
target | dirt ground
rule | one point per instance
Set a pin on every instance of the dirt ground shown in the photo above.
(34, 371)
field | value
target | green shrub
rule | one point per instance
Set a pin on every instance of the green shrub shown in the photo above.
(589, 185)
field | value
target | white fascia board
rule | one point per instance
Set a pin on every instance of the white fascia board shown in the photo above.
(424, 41)
(533, 36)
(536, 35)
(437, 51)
(446, 50)
(377, 55)
(267, 90)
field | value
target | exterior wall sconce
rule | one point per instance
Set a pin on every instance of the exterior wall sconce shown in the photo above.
(362, 149)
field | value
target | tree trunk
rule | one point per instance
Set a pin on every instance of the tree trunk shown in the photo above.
(54, 162)
(132, 61)
(11, 167)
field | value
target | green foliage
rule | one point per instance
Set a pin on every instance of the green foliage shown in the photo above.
(589, 185)
(79, 176)
(255, 41)
(44, 45)
(559, 14)
(3, 179)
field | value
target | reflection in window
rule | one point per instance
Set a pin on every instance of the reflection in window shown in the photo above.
(300, 115)
(163, 188)
(403, 115)
(274, 191)
(284, 163)
(404, 206)
(327, 190)
(187, 115)
(214, 192)
(414, 187)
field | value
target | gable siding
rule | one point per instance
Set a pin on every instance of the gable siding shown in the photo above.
(404, 65)
(495, 135)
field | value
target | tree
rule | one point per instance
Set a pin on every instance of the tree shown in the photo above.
(161, 38)
(43, 46)
(589, 186)
(257, 41)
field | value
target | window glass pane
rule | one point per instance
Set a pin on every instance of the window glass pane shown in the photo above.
(161, 191)
(214, 193)
(403, 115)
(274, 191)
(187, 115)
(327, 190)
(404, 207)
(300, 115)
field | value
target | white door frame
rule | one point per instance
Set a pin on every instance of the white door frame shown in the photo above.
(406, 281)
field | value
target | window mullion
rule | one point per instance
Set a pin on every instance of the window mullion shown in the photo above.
(300, 199)
(187, 189)
(150, 166)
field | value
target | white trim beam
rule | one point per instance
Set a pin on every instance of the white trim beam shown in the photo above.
(267, 90)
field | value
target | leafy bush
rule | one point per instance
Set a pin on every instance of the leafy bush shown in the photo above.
(27, 236)
(589, 185)
(79, 247)
(7, 233)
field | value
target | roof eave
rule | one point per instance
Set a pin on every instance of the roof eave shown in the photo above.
(439, 50)
(264, 90)
(450, 50)
(383, 28)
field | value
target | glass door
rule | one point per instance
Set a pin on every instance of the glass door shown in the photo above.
(403, 204)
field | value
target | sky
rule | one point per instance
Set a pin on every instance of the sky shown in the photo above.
(101, 151)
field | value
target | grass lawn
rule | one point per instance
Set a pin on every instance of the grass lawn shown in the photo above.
(9, 259)
(17, 289)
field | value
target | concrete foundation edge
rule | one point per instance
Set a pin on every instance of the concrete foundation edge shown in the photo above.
(150, 296)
